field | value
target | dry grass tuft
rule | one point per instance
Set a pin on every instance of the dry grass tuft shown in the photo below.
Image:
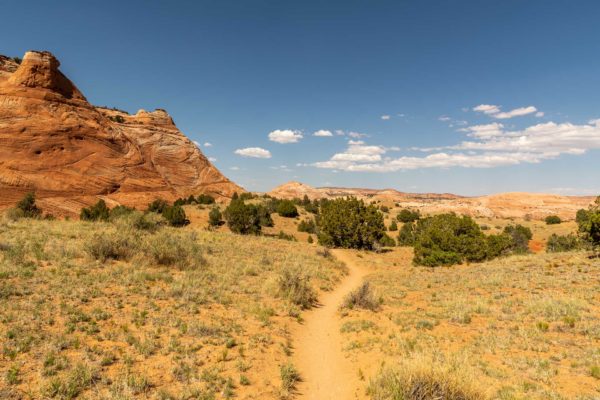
(425, 377)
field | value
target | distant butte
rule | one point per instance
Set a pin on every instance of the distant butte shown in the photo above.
(71, 153)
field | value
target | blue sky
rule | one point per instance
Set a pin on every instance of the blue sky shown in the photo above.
(470, 97)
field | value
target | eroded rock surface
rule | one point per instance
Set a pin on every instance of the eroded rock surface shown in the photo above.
(54, 142)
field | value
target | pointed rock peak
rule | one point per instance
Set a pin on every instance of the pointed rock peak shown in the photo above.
(39, 69)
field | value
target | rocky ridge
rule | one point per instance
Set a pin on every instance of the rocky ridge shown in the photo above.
(71, 153)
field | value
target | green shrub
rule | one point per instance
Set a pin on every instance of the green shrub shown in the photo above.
(307, 226)
(384, 209)
(448, 239)
(406, 215)
(264, 216)
(286, 208)
(582, 217)
(349, 223)
(558, 243)
(310, 239)
(362, 297)
(285, 236)
(552, 220)
(97, 212)
(28, 207)
(499, 245)
(157, 206)
(215, 217)
(387, 241)
(175, 216)
(205, 199)
(242, 218)
(589, 227)
(520, 236)
(406, 236)
(393, 226)
(120, 211)
(295, 286)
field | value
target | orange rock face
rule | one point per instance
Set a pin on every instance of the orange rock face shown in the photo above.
(53, 142)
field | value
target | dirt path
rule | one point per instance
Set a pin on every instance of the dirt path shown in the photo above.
(326, 373)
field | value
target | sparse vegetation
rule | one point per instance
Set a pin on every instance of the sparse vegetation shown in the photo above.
(552, 220)
(295, 286)
(421, 378)
(76, 328)
(307, 226)
(362, 297)
(557, 243)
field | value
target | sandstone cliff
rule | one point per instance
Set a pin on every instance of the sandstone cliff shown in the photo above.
(54, 142)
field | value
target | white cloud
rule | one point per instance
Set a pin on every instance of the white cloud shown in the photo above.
(207, 144)
(492, 146)
(285, 136)
(196, 143)
(487, 109)
(444, 118)
(357, 135)
(539, 114)
(385, 117)
(212, 159)
(234, 168)
(494, 111)
(484, 131)
(517, 112)
(254, 152)
(323, 133)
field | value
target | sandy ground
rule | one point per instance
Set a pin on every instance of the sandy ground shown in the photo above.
(326, 372)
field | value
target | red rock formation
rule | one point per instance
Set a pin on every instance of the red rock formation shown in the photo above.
(53, 142)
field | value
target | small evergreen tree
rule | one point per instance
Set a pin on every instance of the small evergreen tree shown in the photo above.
(215, 217)
(242, 218)
(28, 207)
(158, 206)
(205, 199)
(307, 226)
(175, 216)
(393, 226)
(286, 208)
(448, 239)
(97, 212)
(406, 215)
(520, 236)
(406, 236)
(349, 223)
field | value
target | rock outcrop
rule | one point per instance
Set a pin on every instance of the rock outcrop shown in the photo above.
(54, 142)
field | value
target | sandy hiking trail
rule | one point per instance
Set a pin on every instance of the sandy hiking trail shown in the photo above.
(326, 373)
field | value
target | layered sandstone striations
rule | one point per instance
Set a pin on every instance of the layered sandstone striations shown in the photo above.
(54, 142)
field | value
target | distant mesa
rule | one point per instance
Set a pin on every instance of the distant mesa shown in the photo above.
(54, 142)
(536, 206)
